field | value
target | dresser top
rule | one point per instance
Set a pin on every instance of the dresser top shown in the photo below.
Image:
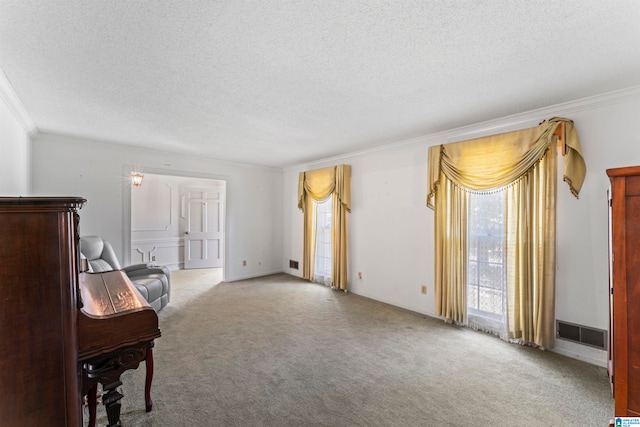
(44, 202)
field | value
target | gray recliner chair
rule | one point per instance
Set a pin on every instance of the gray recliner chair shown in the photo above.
(153, 281)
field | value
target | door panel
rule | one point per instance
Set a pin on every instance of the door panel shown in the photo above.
(204, 231)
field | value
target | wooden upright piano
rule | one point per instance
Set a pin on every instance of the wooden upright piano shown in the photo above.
(62, 332)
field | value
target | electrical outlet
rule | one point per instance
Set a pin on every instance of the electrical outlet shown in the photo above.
(359, 274)
(244, 262)
(423, 289)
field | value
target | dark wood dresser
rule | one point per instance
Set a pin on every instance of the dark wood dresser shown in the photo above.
(39, 376)
(624, 334)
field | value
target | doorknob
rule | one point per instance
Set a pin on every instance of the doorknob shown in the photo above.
(186, 232)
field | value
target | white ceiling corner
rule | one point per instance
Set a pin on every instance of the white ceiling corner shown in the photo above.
(8, 95)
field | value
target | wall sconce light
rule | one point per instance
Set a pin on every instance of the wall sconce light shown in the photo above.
(136, 179)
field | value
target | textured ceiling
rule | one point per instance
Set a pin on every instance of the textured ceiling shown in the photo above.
(282, 82)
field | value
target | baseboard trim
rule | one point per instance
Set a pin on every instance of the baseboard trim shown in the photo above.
(573, 354)
(252, 276)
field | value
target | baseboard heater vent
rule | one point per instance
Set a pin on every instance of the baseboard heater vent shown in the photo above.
(581, 334)
(293, 264)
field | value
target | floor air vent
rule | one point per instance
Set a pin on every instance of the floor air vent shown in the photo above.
(581, 334)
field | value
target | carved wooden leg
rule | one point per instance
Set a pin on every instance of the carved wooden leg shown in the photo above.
(111, 402)
(149, 378)
(107, 368)
(91, 401)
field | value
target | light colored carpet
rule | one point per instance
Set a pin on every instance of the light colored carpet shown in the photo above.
(279, 351)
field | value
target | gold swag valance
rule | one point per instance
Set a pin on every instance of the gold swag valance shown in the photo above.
(495, 161)
(319, 184)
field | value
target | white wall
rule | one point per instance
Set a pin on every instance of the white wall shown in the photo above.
(99, 172)
(391, 229)
(15, 149)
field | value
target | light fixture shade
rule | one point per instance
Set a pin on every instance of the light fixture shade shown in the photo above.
(136, 179)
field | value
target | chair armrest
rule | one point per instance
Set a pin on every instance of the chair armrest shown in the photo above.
(131, 268)
(147, 271)
(139, 270)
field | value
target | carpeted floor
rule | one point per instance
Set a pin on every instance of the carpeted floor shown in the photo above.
(279, 351)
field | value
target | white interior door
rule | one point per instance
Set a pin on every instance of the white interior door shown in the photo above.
(204, 228)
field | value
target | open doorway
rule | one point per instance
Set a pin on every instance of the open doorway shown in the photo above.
(178, 221)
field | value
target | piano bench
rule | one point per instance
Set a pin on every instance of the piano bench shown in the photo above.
(92, 394)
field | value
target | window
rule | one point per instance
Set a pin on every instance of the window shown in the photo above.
(486, 284)
(322, 270)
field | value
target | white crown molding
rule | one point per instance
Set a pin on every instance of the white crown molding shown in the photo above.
(8, 95)
(491, 127)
